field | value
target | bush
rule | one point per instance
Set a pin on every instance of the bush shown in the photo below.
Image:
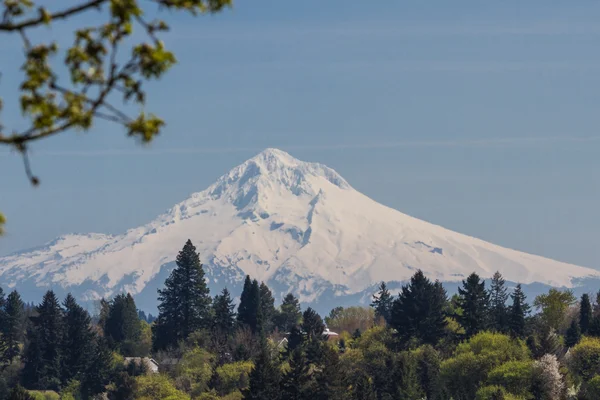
(514, 376)
(157, 387)
(495, 393)
(584, 359)
(475, 359)
(232, 377)
(592, 388)
(44, 395)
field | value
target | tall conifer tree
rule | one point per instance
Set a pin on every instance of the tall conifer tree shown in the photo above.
(498, 309)
(224, 314)
(267, 308)
(12, 326)
(474, 301)
(123, 326)
(585, 314)
(573, 334)
(185, 302)
(517, 313)
(290, 313)
(295, 381)
(78, 341)
(382, 303)
(249, 310)
(264, 377)
(43, 356)
(418, 311)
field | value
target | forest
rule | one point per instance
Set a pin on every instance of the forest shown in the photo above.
(483, 343)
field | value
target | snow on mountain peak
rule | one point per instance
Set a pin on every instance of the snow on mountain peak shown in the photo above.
(272, 172)
(298, 226)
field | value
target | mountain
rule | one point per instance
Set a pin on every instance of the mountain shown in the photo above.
(298, 226)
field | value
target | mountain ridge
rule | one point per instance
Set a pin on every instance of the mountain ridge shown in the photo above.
(296, 225)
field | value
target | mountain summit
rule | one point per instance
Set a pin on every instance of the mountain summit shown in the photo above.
(298, 226)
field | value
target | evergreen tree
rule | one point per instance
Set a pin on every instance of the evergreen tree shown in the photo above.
(498, 309)
(312, 324)
(573, 335)
(474, 302)
(312, 330)
(249, 312)
(328, 377)
(98, 372)
(418, 311)
(224, 314)
(295, 381)
(585, 313)
(264, 377)
(290, 314)
(517, 312)
(382, 303)
(267, 308)
(123, 326)
(78, 340)
(43, 356)
(185, 301)
(19, 393)
(295, 339)
(12, 326)
(406, 377)
(244, 308)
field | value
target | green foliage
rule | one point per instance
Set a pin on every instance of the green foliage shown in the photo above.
(196, 369)
(382, 303)
(498, 299)
(43, 354)
(264, 377)
(185, 303)
(289, 314)
(473, 360)
(428, 362)
(2, 222)
(157, 387)
(517, 312)
(494, 393)
(55, 102)
(592, 388)
(350, 319)
(573, 335)
(249, 309)
(12, 327)
(44, 395)
(123, 327)
(19, 393)
(553, 306)
(78, 341)
(418, 311)
(585, 313)
(584, 359)
(232, 377)
(223, 314)
(296, 379)
(514, 376)
(267, 308)
(72, 391)
(474, 301)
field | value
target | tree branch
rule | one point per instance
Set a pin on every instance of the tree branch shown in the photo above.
(9, 26)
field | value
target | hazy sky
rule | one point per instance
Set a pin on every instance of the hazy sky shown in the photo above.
(479, 116)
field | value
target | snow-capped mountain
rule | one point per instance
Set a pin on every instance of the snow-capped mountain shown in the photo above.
(298, 226)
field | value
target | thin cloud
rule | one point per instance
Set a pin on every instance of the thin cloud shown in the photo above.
(491, 142)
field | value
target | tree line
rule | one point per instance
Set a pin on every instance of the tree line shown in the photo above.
(482, 343)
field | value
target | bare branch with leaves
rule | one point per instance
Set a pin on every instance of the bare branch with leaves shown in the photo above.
(95, 71)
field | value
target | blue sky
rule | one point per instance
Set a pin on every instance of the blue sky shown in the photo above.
(479, 116)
